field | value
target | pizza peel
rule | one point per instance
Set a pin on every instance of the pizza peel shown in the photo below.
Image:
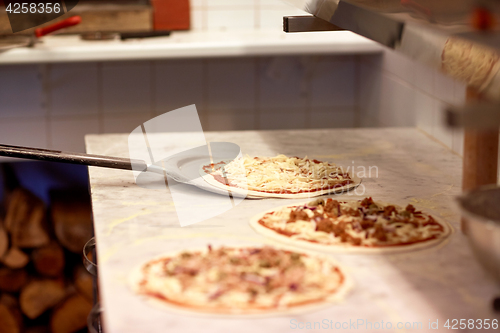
(182, 167)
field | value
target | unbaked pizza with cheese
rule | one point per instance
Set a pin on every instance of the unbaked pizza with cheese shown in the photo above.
(279, 176)
(359, 226)
(241, 280)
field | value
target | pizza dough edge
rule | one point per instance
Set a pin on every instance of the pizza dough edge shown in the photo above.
(345, 249)
(135, 276)
(261, 195)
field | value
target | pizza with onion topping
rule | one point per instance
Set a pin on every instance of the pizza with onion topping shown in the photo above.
(243, 280)
(279, 176)
(363, 226)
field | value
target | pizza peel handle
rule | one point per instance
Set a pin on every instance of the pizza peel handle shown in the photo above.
(219, 149)
(74, 158)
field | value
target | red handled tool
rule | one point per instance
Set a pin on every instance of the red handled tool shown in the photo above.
(16, 40)
(69, 22)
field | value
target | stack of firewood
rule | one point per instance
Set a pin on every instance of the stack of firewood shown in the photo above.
(43, 284)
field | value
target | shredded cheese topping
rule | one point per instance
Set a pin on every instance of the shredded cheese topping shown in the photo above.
(281, 174)
(232, 279)
(358, 223)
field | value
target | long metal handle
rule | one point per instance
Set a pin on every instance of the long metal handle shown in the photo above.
(72, 158)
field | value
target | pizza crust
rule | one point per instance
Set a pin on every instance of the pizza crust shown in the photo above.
(256, 194)
(136, 276)
(344, 248)
(243, 192)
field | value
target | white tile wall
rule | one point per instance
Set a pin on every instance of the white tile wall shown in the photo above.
(29, 132)
(409, 94)
(271, 17)
(65, 101)
(283, 118)
(230, 3)
(333, 82)
(178, 83)
(397, 103)
(230, 19)
(198, 18)
(68, 134)
(283, 82)
(332, 118)
(223, 15)
(73, 89)
(424, 78)
(398, 65)
(231, 83)
(369, 90)
(197, 3)
(55, 105)
(458, 141)
(69, 99)
(21, 92)
(126, 87)
(123, 123)
(444, 88)
(439, 130)
(236, 119)
(460, 93)
(425, 108)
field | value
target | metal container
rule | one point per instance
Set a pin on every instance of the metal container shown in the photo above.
(94, 323)
(481, 213)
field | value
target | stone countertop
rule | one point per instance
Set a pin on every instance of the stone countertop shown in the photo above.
(134, 224)
(191, 44)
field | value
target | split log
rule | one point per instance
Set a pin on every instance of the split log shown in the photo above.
(25, 218)
(11, 304)
(10, 179)
(12, 280)
(84, 283)
(9, 300)
(15, 258)
(8, 321)
(11, 319)
(71, 315)
(4, 241)
(72, 219)
(37, 329)
(49, 260)
(39, 296)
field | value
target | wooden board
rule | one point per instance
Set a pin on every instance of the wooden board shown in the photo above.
(98, 18)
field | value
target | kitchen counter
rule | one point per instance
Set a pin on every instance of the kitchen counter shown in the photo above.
(191, 44)
(134, 224)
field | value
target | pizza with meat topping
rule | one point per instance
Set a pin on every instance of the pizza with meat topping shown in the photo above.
(362, 226)
(243, 280)
(279, 176)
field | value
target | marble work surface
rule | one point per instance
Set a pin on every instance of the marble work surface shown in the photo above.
(134, 224)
